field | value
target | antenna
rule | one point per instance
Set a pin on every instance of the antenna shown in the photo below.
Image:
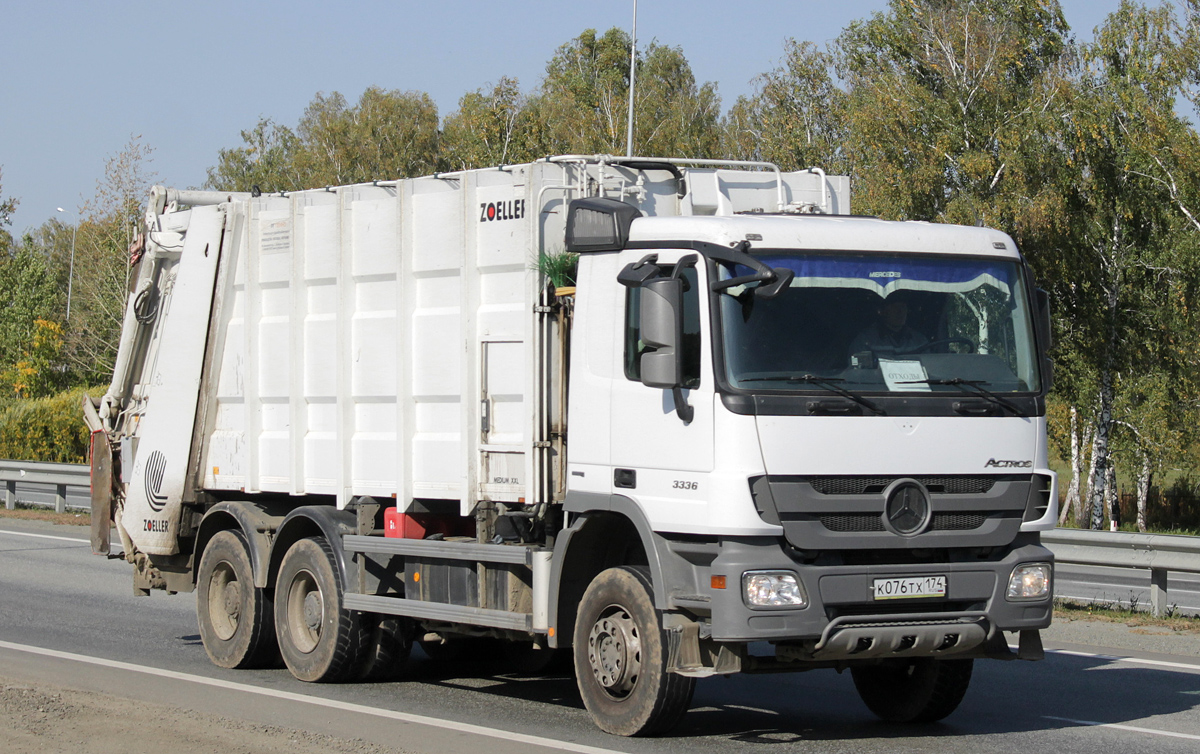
(632, 82)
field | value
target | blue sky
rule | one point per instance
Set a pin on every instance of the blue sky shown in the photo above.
(78, 79)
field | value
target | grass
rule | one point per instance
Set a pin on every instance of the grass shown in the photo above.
(1130, 613)
(38, 513)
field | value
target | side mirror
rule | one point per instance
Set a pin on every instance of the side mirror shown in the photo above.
(661, 328)
(1045, 335)
(1045, 330)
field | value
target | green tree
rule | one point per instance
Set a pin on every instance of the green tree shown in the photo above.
(110, 223)
(949, 102)
(265, 160)
(796, 118)
(1134, 268)
(582, 105)
(29, 290)
(386, 135)
(490, 128)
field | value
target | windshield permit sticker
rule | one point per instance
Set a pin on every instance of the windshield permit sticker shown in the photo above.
(904, 375)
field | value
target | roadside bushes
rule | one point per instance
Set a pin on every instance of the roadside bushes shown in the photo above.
(46, 429)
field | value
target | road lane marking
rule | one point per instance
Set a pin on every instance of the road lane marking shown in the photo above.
(1116, 726)
(1195, 668)
(45, 536)
(405, 717)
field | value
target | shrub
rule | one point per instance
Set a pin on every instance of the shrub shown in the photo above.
(46, 429)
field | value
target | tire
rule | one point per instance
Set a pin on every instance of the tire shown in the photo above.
(922, 690)
(236, 618)
(388, 642)
(621, 657)
(321, 641)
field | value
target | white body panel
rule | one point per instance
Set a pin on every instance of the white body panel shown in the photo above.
(382, 339)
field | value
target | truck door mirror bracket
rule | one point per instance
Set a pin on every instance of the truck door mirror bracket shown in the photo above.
(635, 274)
(774, 280)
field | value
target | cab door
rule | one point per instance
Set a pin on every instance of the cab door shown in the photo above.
(659, 460)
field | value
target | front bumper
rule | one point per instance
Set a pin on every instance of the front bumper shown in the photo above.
(841, 595)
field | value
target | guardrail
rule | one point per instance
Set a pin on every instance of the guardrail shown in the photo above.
(60, 476)
(1158, 553)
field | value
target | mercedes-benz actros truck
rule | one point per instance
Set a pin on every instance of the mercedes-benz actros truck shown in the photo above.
(755, 433)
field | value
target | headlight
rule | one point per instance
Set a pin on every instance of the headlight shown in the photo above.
(1030, 582)
(773, 589)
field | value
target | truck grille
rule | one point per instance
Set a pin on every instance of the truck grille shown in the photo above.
(868, 485)
(867, 522)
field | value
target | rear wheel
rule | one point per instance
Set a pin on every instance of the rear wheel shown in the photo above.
(620, 657)
(919, 690)
(320, 640)
(388, 641)
(235, 617)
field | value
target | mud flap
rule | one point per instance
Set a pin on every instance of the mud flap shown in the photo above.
(102, 492)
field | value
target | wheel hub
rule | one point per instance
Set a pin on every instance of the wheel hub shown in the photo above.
(233, 601)
(614, 652)
(224, 601)
(312, 611)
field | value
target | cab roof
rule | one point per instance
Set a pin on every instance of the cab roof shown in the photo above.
(824, 232)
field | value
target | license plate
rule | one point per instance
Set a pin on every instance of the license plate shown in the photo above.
(908, 587)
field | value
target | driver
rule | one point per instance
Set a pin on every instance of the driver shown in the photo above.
(890, 332)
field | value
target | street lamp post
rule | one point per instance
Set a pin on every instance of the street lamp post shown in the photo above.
(71, 268)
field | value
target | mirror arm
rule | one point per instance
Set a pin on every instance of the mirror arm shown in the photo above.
(774, 280)
(682, 409)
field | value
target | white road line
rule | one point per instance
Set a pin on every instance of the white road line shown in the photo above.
(1132, 728)
(44, 536)
(316, 701)
(1193, 667)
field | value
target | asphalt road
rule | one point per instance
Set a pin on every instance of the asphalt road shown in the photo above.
(68, 617)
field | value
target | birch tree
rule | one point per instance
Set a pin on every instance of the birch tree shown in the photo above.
(1135, 234)
(796, 117)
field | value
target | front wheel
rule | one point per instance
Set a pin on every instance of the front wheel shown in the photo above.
(621, 658)
(921, 690)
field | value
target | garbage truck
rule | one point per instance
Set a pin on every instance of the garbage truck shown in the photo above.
(668, 418)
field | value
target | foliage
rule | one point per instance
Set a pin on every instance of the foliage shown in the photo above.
(796, 117)
(38, 371)
(582, 105)
(110, 223)
(386, 135)
(46, 429)
(491, 128)
(30, 292)
(558, 268)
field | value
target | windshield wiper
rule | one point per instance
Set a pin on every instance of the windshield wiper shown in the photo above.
(829, 383)
(976, 385)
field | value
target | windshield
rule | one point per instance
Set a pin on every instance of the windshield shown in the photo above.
(881, 323)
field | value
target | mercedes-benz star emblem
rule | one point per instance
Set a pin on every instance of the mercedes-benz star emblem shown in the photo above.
(907, 510)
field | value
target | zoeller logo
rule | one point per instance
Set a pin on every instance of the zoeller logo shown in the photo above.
(156, 467)
(994, 464)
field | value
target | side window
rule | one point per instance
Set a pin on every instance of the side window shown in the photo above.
(634, 348)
